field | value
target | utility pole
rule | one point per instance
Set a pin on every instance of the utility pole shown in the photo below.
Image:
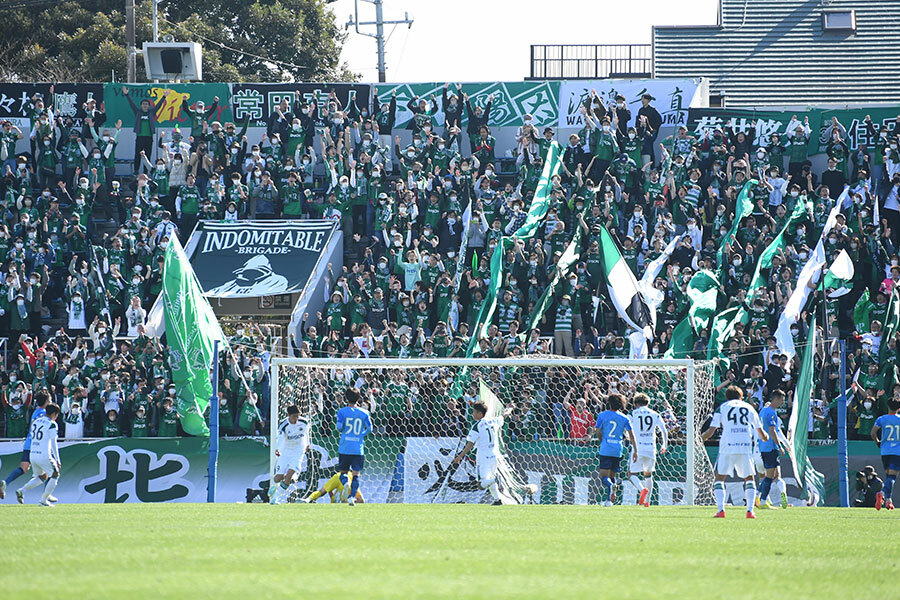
(379, 24)
(130, 55)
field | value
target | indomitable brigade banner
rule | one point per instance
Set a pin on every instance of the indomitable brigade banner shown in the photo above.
(171, 101)
(257, 258)
(257, 101)
(672, 98)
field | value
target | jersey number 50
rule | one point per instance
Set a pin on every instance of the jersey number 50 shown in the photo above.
(353, 426)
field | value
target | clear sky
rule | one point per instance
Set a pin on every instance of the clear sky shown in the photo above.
(488, 40)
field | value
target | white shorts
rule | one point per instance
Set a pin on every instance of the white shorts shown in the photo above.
(739, 465)
(289, 461)
(43, 465)
(487, 469)
(758, 463)
(643, 464)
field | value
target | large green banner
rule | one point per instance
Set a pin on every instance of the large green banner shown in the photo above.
(171, 100)
(147, 469)
(511, 101)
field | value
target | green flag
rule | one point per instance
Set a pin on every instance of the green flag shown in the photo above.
(683, 339)
(799, 214)
(191, 328)
(540, 204)
(812, 482)
(891, 324)
(703, 291)
(743, 208)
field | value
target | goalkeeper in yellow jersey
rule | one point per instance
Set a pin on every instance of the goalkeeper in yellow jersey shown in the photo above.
(336, 490)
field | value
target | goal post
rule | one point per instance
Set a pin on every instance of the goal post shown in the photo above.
(421, 413)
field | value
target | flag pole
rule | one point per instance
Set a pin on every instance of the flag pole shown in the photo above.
(214, 427)
(842, 431)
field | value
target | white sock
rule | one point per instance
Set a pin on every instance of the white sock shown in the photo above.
(749, 494)
(779, 487)
(637, 483)
(32, 483)
(51, 485)
(719, 493)
(648, 485)
(492, 487)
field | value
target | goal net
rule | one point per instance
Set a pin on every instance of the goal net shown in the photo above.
(421, 412)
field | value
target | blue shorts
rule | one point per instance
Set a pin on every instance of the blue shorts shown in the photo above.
(891, 461)
(770, 459)
(26, 456)
(610, 463)
(350, 462)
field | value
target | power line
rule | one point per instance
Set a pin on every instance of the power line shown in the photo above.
(241, 52)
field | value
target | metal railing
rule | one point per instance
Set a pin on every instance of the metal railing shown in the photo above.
(590, 61)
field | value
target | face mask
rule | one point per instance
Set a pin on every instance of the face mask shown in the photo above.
(177, 161)
(637, 214)
(18, 245)
(803, 255)
(867, 405)
(606, 129)
(832, 241)
(105, 138)
(96, 156)
(410, 154)
(736, 262)
(631, 136)
(441, 146)
(489, 173)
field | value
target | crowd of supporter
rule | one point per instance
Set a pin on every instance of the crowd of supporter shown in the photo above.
(421, 223)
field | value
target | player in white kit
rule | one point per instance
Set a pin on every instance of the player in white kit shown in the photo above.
(738, 421)
(485, 438)
(290, 448)
(45, 461)
(644, 423)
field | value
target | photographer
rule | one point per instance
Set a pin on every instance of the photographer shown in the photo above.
(868, 484)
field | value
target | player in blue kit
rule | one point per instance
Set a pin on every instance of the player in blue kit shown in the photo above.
(612, 424)
(770, 451)
(41, 399)
(354, 424)
(889, 427)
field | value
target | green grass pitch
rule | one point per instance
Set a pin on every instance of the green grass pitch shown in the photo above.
(135, 551)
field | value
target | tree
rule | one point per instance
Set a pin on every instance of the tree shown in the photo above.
(85, 41)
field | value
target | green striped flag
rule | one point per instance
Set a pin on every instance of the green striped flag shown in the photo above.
(191, 328)
(890, 326)
(812, 482)
(623, 286)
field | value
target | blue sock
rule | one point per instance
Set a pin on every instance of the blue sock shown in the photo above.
(764, 486)
(889, 486)
(343, 479)
(607, 483)
(354, 486)
(17, 472)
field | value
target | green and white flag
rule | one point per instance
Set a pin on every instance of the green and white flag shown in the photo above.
(807, 281)
(683, 340)
(812, 482)
(490, 400)
(838, 276)
(623, 287)
(191, 328)
(800, 213)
